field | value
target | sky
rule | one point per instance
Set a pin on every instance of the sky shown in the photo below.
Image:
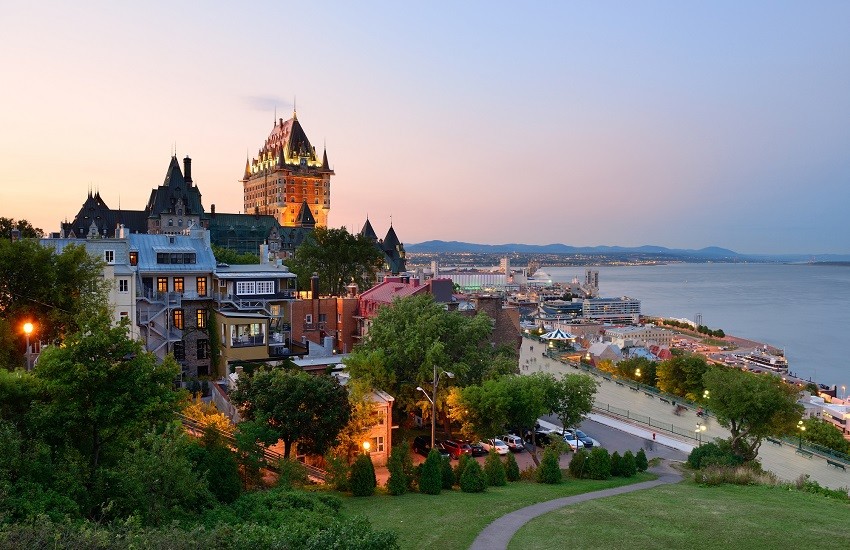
(680, 124)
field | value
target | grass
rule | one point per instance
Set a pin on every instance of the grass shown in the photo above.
(453, 519)
(685, 516)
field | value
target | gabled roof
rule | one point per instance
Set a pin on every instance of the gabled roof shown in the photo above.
(387, 291)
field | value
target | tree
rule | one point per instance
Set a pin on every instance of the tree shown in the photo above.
(398, 482)
(641, 463)
(683, 375)
(752, 407)
(214, 459)
(572, 397)
(431, 479)
(494, 470)
(26, 228)
(362, 480)
(628, 465)
(472, 478)
(461, 466)
(511, 468)
(448, 474)
(616, 464)
(598, 464)
(550, 467)
(578, 464)
(298, 407)
(628, 368)
(821, 432)
(338, 257)
(231, 257)
(408, 338)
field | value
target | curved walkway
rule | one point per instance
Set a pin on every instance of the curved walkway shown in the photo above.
(498, 534)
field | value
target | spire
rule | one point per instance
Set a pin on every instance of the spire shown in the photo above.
(294, 108)
(325, 158)
(247, 166)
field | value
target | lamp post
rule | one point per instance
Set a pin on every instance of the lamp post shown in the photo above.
(700, 428)
(366, 446)
(705, 395)
(28, 328)
(433, 398)
(801, 429)
(637, 373)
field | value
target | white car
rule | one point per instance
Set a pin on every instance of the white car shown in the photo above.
(497, 444)
(570, 439)
(514, 442)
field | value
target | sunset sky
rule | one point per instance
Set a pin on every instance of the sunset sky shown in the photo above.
(586, 123)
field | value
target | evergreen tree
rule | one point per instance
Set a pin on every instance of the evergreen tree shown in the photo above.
(461, 464)
(599, 464)
(641, 463)
(398, 482)
(550, 468)
(472, 478)
(494, 470)
(616, 464)
(578, 464)
(431, 478)
(362, 478)
(448, 474)
(511, 468)
(628, 465)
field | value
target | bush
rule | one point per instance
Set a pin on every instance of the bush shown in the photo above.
(641, 463)
(529, 473)
(713, 454)
(472, 478)
(599, 464)
(338, 472)
(213, 457)
(803, 483)
(448, 473)
(494, 470)
(511, 468)
(431, 478)
(628, 467)
(461, 465)
(578, 464)
(617, 465)
(550, 469)
(362, 480)
(734, 475)
(292, 474)
(398, 482)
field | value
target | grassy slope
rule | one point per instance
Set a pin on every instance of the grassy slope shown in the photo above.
(453, 519)
(687, 516)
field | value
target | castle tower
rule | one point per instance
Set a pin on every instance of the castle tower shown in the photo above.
(285, 174)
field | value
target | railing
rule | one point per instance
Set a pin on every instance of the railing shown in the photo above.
(315, 326)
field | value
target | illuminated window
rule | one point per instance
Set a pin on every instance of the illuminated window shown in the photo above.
(201, 318)
(201, 284)
(178, 284)
(162, 284)
(134, 258)
(178, 318)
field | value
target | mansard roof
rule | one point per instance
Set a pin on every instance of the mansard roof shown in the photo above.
(106, 220)
(288, 147)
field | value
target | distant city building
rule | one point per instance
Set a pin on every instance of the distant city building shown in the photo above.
(612, 310)
(390, 246)
(643, 336)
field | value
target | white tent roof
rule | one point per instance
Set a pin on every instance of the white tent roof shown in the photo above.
(558, 334)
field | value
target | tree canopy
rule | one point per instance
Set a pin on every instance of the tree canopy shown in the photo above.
(298, 407)
(752, 406)
(339, 258)
(572, 397)
(231, 257)
(682, 375)
(26, 228)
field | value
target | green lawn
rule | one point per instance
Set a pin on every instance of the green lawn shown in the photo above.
(453, 519)
(685, 516)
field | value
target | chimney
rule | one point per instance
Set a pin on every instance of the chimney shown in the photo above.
(212, 211)
(264, 253)
(187, 170)
(314, 286)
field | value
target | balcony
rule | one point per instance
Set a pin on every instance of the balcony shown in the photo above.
(315, 326)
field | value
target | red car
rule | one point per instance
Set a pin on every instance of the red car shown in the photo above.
(456, 448)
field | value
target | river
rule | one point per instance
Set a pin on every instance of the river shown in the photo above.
(803, 309)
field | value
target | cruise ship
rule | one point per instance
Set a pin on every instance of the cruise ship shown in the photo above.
(763, 359)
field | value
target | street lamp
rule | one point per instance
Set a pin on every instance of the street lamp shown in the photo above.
(28, 328)
(705, 395)
(802, 429)
(700, 428)
(637, 373)
(433, 398)
(366, 446)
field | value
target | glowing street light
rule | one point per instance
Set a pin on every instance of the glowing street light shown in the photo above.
(700, 428)
(28, 328)
(433, 399)
(802, 429)
(366, 447)
(637, 373)
(705, 395)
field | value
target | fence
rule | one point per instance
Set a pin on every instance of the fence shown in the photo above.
(642, 419)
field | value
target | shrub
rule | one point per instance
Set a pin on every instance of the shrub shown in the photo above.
(803, 483)
(292, 474)
(734, 475)
(578, 464)
(599, 464)
(431, 478)
(617, 465)
(550, 469)
(213, 456)
(362, 480)
(713, 454)
(628, 467)
(398, 481)
(461, 464)
(472, 478)
(494, 470)
(529, 473)
(448, 473)
(641, 463)
(338, 472)
(511, 468)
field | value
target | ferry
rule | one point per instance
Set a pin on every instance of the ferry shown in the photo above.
(761, 358)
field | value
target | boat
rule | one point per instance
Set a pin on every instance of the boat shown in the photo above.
(761, 358)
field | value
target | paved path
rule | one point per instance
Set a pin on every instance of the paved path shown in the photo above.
(498, 534)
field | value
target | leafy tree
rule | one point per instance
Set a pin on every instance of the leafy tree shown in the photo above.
(472, 478)
(448, 474)
(717, 453)
(628, 465)
(362, 480)
(826, 434)
(599, 464)
(398, 482)
(252, 436)
(616, 464)
(641, 463)
(406, 341)
(494, 470)
(550, 467)
(213, 458)
(339, 257)
(431, 479)
(578, 464)
(338, 471)
(628, 368)
(511, 468)
(752, 407)
(683, 375)
(207, 415)
(291, 473)
(297, 406)
(571, 398)
(26, 228)
(231, 257)
(360, 421)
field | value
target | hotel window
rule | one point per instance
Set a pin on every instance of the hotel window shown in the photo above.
(178, 318)
(201, 283)
(178, 284)
(179, 351)
(123, 285)
(201, 318)
(134, 258)
(162, 284)
(203, 349)
(109, 256)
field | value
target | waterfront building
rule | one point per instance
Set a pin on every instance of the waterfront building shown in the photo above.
(612, 310)
(644, 335)
(287, 173)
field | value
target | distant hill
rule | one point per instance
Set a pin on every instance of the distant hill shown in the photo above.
(434, 247)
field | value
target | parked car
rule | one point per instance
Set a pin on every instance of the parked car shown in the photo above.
(540, 438)
(477, 448)
(584, 438)
(422, 445)
(514, 442)
(457, 448)
(496, 444)
(571, 440)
